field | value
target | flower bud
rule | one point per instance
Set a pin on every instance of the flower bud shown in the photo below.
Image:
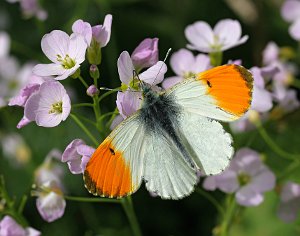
(92, 91)
(145, 54)
(94, 53)
(94, 72)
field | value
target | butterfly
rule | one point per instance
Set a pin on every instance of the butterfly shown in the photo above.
(173, 135)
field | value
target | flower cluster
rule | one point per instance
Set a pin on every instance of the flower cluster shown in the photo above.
(290, 11)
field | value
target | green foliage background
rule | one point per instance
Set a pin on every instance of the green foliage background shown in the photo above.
(134, 20)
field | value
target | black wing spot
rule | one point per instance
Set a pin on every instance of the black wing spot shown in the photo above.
(112, 151)
(208, 83)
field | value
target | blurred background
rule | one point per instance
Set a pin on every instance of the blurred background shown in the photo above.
(134, 20)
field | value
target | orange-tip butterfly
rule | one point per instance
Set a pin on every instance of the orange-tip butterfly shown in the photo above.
(172, 135)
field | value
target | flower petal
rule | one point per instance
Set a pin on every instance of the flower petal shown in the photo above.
(48, 69)
(263, 181)
(55, 43)
(288, 211)
(182, 62)
(155, 74)
(200, 35)
(23, 122)
(171, 81)
(51, 206)
(294, 30)
(128, 102)
(210, 183)
(4, 44)
(84, 29)
(102, 32)
(290, 10)
(70, 152)
(145, 54)
(77, 48)
(75, 166)
(227, 181)
(261, 100)
(125, 67)
(9, 227)
(247, 196)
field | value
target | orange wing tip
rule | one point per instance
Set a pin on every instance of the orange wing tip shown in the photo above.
(231, 86)
(107, 174)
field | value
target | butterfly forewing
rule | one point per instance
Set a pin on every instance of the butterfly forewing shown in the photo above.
(222, 93)
(115, 169)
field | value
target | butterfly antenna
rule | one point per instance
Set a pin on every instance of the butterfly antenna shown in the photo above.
(109, 89)
(167, 55)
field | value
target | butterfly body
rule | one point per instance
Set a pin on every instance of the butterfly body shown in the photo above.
(172, 135)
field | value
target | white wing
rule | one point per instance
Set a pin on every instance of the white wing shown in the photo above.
(208, 143)
(166, 172)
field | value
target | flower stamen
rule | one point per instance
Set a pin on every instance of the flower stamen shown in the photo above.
(67, 62)
(56, 108)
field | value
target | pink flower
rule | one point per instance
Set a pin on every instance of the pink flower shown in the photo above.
(101, 33)
(290, 11)
(9, 227)
(246, 176)
(49, 106)
(50, 169)
(225, 35)
(84, 29)
(77, 155)
(128, 102)
(66, 52)
(290, 101)
(270, 53)
(50, 202)
(289, 202)
(153, 75)
(185, 65)
(145, 54)
(31, 8)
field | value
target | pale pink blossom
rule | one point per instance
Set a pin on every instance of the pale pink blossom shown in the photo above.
(185, 65)
(84, 29)
(77, 154)
(225, 35)
(50, 201)
(48, 106)
(66, 53)
(246, 176)
(9, 227)
(289, 202)
(101, 33)
(145, 54)
(4, 44)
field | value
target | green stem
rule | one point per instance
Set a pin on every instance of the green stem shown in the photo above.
(88, 199)
(273, 145)
(108, 124)
(227, 220)
(82, 105)
(128, 208)
(82, 81)
(82, 126)
(85, 119)
(212, 200)
(108, 114)
(292, 167)
(22, 204)
(108, 93)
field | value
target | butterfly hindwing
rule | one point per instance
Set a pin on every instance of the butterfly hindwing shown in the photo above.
(222, 93)
(207, 142)
(166, 172)
(116, 167)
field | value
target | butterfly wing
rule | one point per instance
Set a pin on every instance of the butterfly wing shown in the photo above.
(222, 93)
(116, 167)
(207, 142)
(166, 172)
